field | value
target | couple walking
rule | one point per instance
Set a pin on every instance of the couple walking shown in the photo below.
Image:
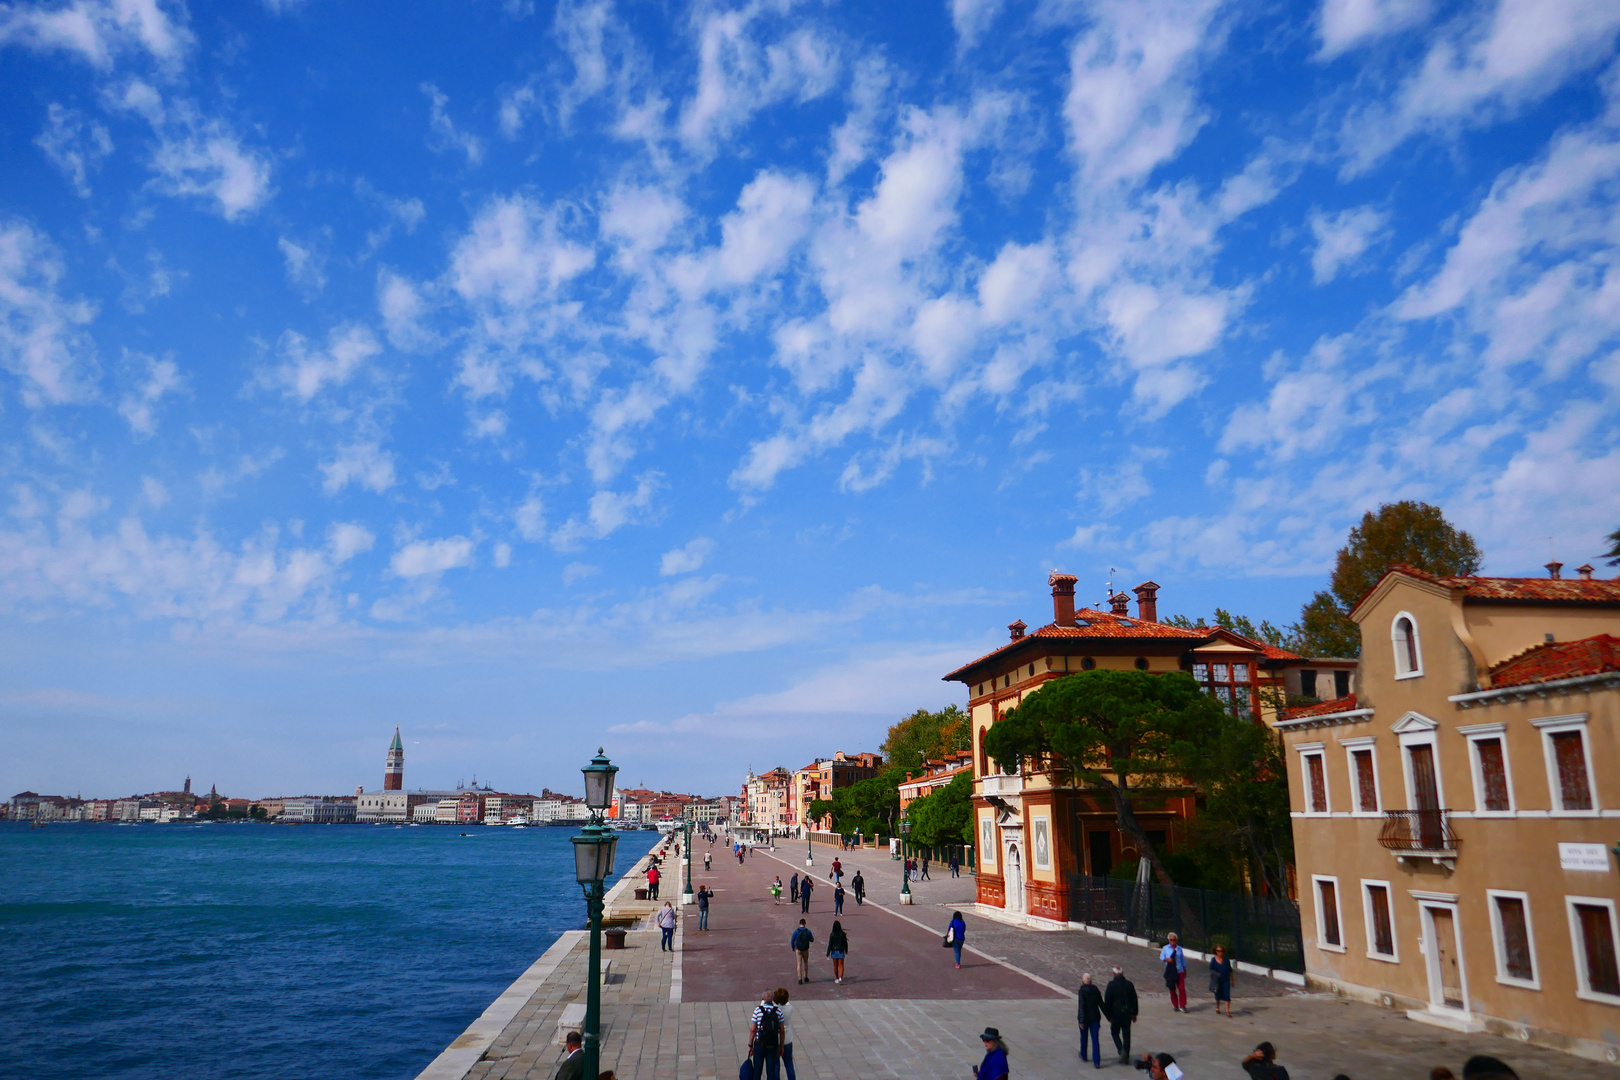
(837, 950)
(1118, 1005)
(1175, 976)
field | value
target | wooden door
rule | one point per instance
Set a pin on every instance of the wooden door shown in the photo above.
(1445, 958)
(1426, 796)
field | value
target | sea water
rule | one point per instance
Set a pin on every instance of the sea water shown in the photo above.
(263, 951)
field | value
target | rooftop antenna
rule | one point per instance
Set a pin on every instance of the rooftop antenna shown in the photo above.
(1110, 595)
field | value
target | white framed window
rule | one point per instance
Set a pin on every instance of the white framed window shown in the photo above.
(1329, 928)
(1420, 761)
(1568, 752)
(1313, 774)
(1596, 942)
(1379, 911)
(1403, 635)
(1514, 938)
(1365, 798)
(1493, 774)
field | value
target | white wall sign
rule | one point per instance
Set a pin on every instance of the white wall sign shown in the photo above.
(1593, 857)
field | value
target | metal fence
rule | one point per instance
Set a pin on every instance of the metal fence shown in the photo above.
(1254, 929)
(939, 854)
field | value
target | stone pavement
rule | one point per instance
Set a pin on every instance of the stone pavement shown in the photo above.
(654, 1030)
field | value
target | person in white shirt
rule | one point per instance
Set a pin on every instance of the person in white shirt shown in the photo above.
(1175, 973)
(784, 1007)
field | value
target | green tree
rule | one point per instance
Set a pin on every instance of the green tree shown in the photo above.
(924, 735)
(1124, 732)
(869, 806)
(1613, 554)
(1413, 533)
(1241, 624)
(1244, 820)
(944, 817)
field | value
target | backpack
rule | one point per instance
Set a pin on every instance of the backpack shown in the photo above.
(769, 1031)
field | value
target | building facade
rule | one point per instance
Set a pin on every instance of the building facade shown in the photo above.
(1453, 819)
(765, 799)
(821, 778)
(934, 775)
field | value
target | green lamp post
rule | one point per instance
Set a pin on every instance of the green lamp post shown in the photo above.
(687, 897)
(905, 875)
(594, 849)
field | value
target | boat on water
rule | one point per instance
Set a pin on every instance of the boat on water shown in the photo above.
(519, 822)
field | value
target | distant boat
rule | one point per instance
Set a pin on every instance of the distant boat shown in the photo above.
(519, 822)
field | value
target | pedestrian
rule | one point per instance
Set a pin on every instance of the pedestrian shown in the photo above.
(800, 944)
(955, 934)
(785, 1007)
(793, 888)
(1175, 973)
(805, 888)
(666, 923)
(776, 890)
(765, 1039)
(739, 855)
(1090, 1016)
(994, 1065)
(1120, 1006)
(837, 949)
(838, 899)
(652, 882)
(838, 871)
(703, 895)
(1220, 980)
(1261, 1064)
(858, 884)
(573, 1063)
(956, 865)
(707, 855)
(924, 876)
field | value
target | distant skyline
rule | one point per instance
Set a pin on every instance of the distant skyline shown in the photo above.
(704, 381)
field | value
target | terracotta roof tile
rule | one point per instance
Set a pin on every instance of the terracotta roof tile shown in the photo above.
(1322, 708)
(1559, 660)
(1098, 625)
(1526, 590)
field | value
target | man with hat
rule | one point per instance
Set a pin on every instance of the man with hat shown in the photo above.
(1120, 1006)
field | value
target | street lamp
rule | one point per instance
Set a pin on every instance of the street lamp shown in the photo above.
(594, 849)
(905, 874)
(809, 852)
(686, 826)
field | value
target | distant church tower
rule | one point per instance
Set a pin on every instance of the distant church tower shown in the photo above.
(394, 774)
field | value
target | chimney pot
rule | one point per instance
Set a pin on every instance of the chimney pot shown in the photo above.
(1120, 604)
(1015, 629)
(1553, 569)
(1585, 570)
(1147, 601)
(1062, 597)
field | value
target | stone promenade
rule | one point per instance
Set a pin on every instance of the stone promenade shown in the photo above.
(904, 1011)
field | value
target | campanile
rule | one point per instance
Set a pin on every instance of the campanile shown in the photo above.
(394, 774)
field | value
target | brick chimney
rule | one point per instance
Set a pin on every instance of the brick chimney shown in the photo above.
(1147, 601)
(1553, 569)
(1585, 570)
(1119, 604)
(1062, 597)
(1015, 629)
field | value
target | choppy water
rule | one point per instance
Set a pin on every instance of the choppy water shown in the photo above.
(265, 951)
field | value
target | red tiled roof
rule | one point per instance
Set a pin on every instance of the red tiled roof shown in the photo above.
(1560, 660)
(1099, 625)
(1543, 590)
(1323, 708)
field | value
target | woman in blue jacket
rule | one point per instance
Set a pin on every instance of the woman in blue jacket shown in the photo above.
(994, 1065)
(954, 934)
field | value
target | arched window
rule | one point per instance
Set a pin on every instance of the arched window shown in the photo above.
(1408, 654)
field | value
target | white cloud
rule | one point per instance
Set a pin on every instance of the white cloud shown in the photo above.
(364, 463)
(772, 216)
(684, 560)
(100, 30)
(971, 18)
(443, 135)
(1342, 238)
(514, 253)
(432, 557)
(305, 371)
(1345, 24)
(740, 74)
(42, 337)
(609, 511)
(209, 161)
(306, 266)
(530, 519)
(152, 379)
(347, 539)
(153, 491)
(402, 307)
(74, 145)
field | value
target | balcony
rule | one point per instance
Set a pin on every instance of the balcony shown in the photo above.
(1420, 834)
(1003, 785)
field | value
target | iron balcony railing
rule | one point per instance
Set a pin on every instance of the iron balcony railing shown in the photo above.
(1418, 831)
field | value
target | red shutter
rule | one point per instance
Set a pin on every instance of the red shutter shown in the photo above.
(1330, 913)
(1515, 938)
(1383, 933)
(1319, 802)
(1569, 751)
(1602, 972)
(1365, 781)
(1492, 774)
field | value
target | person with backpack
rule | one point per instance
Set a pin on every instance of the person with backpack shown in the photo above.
(1120, 1006)
(765, 1039)
(955, 935)
(837, 949)
(800, 944)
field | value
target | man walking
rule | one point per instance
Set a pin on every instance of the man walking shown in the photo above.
(925, 876)
(858, 884)
(793, 888)
(666, 923)
(1119, 1005)
(573, 1065)
(765, 1039)
(956, 865)
(1175, 973)
(652, 882)
(707, 855)
(1090, 1017)
(703, 895)
(800, 943)
(838, 871)
(805, 888)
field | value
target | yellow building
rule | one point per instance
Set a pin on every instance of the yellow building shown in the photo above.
(1452, 819)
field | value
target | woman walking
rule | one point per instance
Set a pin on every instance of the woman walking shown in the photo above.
(666, 923)
(994, 1065)
(1220, 980)
(838, 899)
(776, 890)
(955, 934)
(837, 949)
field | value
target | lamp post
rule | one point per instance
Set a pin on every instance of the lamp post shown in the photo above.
(905, 874)
(594, 849)
(809, 852)
(686, 849)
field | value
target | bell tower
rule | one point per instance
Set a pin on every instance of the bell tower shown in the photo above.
(394, 774)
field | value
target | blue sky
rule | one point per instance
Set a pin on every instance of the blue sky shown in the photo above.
(705, 381)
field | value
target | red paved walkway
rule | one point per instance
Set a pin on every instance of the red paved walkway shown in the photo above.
(746, 947)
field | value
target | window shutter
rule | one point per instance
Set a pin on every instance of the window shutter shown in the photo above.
(1569, 752)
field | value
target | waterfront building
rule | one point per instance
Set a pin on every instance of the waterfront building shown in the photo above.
(272, 807)
(765, 800)
(1452, 818)
(319, 809)
(934, 775)
(1034, 834)
(821, 778)
(444, 812)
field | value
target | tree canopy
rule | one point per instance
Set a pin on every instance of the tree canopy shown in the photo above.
(1414, 533)
(1120, 731)
(924, 735)
(945, 816)
(1241, 624)
(1613, 554)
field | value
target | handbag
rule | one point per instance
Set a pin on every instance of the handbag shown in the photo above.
(947, 941)
(1214, 980)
